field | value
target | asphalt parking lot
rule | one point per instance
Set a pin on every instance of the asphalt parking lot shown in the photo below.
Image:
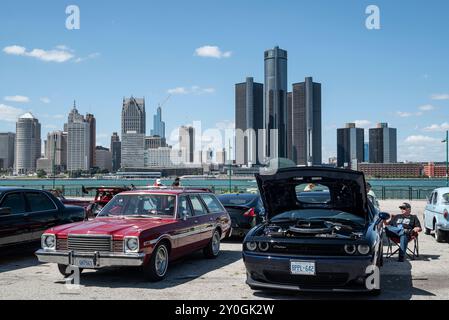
(195, 278)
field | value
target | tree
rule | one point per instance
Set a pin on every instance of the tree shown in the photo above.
(41, 174)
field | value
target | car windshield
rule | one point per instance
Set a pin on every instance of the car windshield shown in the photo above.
(319, 214)
(313, 194)
(140, 205)
(237, 200)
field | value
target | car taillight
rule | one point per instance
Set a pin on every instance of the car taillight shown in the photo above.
(250, 213)
(446, 214)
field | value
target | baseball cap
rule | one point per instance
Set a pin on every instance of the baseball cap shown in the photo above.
(405, 205)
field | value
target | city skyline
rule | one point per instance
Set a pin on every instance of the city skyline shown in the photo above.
(410, 92)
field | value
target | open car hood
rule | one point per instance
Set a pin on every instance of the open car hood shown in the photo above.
(347, 189)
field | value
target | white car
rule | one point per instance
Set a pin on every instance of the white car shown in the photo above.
(436, 214)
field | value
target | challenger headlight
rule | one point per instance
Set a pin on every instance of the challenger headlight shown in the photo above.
(48, 241)
(251, 246)
(350, 249)
(131, 245)
(363, 249)
(264, 246)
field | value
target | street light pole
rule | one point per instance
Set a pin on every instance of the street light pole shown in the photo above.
(447, 158)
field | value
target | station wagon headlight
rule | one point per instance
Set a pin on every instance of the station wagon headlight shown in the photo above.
(251, 246)
(363, 249)
(48, 241)
(131, 245)
(350, 249)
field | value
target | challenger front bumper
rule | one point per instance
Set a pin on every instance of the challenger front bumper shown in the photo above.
(100, 260)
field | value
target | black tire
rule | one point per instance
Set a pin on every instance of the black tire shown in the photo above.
(213, 248)
(439, 236)
(63, 270)
(156, 269)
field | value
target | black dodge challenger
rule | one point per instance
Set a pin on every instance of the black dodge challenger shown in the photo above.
(321, 233)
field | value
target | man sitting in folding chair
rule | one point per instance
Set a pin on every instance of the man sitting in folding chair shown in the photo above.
(402, 229)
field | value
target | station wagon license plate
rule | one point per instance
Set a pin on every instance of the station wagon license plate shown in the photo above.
(303, 268)
(84, 263)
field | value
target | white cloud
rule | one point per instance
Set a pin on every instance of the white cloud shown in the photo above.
(59, 54)
(408, 114)
(212, 52)
(193, 90)
(54, 55)
(178, 90)
(45, 100)
(90, 56)
(51, 126)
(9, 113)
(58, 116)
(363, 124)
(427, 107)
(437, 127)
(440, 96)
(20, 99)
(419, 140)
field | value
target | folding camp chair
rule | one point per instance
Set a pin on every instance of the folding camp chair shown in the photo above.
(394, 245)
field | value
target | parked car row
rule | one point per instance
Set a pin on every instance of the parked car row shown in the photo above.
(311, 229)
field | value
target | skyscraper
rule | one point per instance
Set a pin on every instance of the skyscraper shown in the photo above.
(275, 103)
(383, 144)
(56, 148)
(116, 150)
(78, 142)
(350, 146)
(90, 119)
(187, 143)
(28, 144)
(104, 158)
(133, 133)
(158, 124)
(133, 115)
(248, 115)
(7, 146)
(305, 123)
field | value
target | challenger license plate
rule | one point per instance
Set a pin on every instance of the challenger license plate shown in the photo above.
(303, 268)
(84, 263)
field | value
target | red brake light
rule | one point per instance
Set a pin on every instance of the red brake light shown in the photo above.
(250, 213)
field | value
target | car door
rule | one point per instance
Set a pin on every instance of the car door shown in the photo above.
(213, 217)
(202, 220)
(43, 213)
(14, 227)
(185, 234)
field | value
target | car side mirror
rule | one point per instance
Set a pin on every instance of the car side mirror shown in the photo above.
(384, 216)
(5, 211)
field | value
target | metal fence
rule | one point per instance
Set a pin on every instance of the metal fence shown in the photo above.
(382, 193)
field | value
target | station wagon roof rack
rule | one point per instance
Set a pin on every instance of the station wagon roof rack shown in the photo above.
(172, 188)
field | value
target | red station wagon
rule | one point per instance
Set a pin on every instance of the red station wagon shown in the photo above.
(141, 228)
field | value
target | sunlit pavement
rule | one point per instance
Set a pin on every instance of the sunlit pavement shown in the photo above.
(195, 278)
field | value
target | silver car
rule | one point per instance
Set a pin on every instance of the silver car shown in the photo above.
(436, 214)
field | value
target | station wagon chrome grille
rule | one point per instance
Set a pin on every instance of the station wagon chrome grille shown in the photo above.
(61, 244)
(90, 243)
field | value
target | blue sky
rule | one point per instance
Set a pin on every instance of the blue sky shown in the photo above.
(398, 74)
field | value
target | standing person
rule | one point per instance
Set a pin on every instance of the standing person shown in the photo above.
(176, 183)
(403, 226)
(372, 196)
(158, 183)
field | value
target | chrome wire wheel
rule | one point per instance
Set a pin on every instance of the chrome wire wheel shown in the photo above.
(216, 243)
(161, 261)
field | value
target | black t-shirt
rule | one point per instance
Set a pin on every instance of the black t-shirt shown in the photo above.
(410, 222)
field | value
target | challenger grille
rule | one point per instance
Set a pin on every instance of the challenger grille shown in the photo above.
(90, 243)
